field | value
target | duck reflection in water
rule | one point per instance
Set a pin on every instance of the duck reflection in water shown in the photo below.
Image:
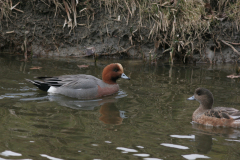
(110, 114)
(203, 143)
(76, 103)
(204, 134)
(81, 104)
(109, 111)
(203, 140)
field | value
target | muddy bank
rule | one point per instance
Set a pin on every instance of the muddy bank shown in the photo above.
(39, 29)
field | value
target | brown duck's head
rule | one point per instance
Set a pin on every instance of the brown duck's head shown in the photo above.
(112, 72)
(204, 97)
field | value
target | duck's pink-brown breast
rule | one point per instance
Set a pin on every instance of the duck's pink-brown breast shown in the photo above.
(111, 89)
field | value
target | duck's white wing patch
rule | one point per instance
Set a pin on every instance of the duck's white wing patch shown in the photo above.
(52, 89)
(235, 117)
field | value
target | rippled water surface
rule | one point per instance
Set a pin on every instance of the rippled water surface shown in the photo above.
(149, 118)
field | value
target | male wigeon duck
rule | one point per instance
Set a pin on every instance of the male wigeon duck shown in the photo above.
(218, 116)
(83, 86)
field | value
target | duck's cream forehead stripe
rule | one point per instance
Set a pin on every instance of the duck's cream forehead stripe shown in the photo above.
(120, 66)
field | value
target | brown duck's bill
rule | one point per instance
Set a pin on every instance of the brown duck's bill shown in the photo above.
(191, 98)
(124, 76)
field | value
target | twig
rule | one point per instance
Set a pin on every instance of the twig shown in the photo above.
(82, 10)
(230, 46)
(16, 8)
(68, 14)
(74, 12)
(128, 8)
(169, 49)
(233, 43)
(81, 24)
(125, 50)
(9, 32)
(45, 3)
(34, 29)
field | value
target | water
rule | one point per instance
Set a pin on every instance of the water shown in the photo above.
(149, 118)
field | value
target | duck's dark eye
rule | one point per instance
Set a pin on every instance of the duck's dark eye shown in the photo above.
(199, 93)
(115, 70)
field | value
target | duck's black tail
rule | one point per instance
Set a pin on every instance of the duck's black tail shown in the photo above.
(41, 85)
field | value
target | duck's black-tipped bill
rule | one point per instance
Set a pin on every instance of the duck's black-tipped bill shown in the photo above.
(124, 76)
(191, 98)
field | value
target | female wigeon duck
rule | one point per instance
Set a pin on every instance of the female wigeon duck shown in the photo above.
(218, 116)
(83, 86)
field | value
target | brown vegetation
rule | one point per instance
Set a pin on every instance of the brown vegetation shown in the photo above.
(179, 27)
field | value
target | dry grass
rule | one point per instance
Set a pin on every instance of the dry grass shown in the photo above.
(233, 12)
(177, 24)
(5, 9)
